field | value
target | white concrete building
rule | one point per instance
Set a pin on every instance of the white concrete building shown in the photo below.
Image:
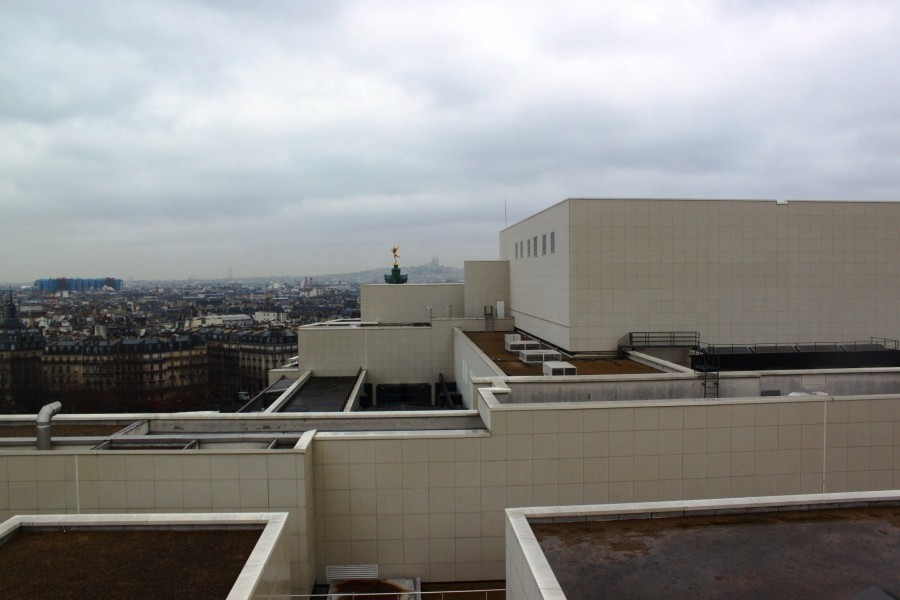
(405, 333)
(584, 271)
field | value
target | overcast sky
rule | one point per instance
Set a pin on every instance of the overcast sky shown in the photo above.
(181, 139)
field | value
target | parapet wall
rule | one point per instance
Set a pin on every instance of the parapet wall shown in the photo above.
(672, 386)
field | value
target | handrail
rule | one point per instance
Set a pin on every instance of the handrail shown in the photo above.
(430, 595)
(444, 393)
(852, 346)
(353, 387)
(660, 339)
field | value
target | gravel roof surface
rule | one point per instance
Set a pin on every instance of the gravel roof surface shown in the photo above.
(491, 343)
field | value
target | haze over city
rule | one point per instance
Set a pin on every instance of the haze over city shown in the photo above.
(184, 139)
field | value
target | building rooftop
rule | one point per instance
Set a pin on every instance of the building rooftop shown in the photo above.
(124, 564)
(830, 552)
(321, 394)
(492, 344)
(234, 555)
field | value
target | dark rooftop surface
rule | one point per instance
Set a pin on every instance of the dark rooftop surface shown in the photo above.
(144, 564)
(321, 394)
(280, 385)
(399, 407)
(265, 398)
(61, 430)
(879, 352)
(831, 553)
(461, 590)
(492, 344)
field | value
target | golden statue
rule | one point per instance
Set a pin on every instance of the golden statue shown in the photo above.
(395, 276)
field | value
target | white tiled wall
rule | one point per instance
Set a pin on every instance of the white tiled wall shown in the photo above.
(408, 303)
(541, 287)
(487, 282)
(470, 362)
(736, 271)
(429, 507)
(432, 508)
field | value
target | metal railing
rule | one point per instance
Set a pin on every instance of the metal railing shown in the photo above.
(660, 339)
(488, 594)
(874, 343)
(444, 399)
(888, 343)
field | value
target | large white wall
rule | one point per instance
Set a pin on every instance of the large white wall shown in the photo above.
(408, 303)
(389, 354)
(737, 271)
(487, 282)
(540, 286)
(470, 362)
(431, 505)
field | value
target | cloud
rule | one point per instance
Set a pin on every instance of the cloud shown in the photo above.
(166, 139)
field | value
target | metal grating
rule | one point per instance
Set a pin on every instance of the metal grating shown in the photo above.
(340, 572)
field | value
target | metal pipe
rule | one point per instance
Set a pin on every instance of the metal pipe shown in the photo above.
(43, 424)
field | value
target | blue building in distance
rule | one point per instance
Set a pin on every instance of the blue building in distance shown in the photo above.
(63, 284)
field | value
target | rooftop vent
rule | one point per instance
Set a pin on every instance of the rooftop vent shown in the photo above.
(536, 357)
(341, 572)
(555, 368)
(520, 345)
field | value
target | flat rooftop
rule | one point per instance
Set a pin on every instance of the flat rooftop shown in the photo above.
(320, 394)
(265, 398)
(149, 564)
(492, 344)
(876, 353)
(821, 553)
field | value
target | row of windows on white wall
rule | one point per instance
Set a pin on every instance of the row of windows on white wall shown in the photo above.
(529, 247)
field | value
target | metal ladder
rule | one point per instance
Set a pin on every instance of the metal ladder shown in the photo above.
(489, 318)
(709, 365)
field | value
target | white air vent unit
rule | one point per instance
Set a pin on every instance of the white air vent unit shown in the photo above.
(522, 345)
(341, 572)
(536, 357)
(554, 367)
(511, 337)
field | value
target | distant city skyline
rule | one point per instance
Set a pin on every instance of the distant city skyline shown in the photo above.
(180, 140)
(431, 269)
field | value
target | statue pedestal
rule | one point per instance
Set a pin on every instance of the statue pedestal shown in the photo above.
(395, 276)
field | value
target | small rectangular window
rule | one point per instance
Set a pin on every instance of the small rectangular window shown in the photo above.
(535, 247)
(543, 244)
(529, 248)
(552, 242)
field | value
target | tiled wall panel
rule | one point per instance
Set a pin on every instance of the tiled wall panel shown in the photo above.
(735, 271)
